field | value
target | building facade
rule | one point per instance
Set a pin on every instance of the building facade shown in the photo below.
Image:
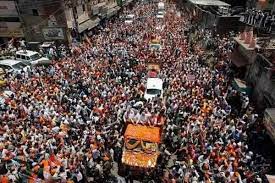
(10, 22)
(64, 20)
(43, 20)
(261, 76)
(82, 16)
(258, 69)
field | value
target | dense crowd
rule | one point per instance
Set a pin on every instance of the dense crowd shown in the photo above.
(65, 122)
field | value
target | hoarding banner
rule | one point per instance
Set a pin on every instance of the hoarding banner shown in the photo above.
(53, 33)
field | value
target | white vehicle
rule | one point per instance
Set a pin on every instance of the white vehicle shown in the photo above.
(13, 66)
(129, 19)
(160, 14)
(154, 88)
(161, 6)
(31, 57)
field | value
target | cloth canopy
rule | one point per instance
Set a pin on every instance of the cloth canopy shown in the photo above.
(271, 178)
(151, 134)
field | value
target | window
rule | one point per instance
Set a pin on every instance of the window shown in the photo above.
(28, 58)
(35, 12)
(75, 12)
(153, 91)
(19, 65)
(83, 7)
(18, 56)
(23, 57)
(35, 56)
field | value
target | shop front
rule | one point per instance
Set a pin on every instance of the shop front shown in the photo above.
(88, 25)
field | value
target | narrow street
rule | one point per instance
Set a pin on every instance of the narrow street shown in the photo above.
(66, 122)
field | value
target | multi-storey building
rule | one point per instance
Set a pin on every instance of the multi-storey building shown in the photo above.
(256, 64)
(10, 23)
(43, 19)
(47, 20)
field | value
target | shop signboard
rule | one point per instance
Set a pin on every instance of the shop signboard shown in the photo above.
(53, 33)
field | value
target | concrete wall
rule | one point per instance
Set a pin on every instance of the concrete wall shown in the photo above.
(11, 27)
(259, 77)
(47, 10)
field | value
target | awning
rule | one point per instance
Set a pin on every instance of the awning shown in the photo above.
(146, 133)
(47, 44)
(111, 12)
(18, 32)
(209, 2)
(89, 24)
(270, 178)
(238, 59)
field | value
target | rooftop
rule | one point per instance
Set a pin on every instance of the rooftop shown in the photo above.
(241, 42)
(26, 52)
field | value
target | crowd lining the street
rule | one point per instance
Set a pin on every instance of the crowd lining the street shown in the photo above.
(65, 122)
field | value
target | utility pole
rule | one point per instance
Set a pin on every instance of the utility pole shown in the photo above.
(20, 17)
(72, 4)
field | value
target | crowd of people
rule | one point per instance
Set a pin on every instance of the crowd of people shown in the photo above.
(64, 122)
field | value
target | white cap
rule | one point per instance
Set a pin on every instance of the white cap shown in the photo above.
(34, 163)
(259, 179)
